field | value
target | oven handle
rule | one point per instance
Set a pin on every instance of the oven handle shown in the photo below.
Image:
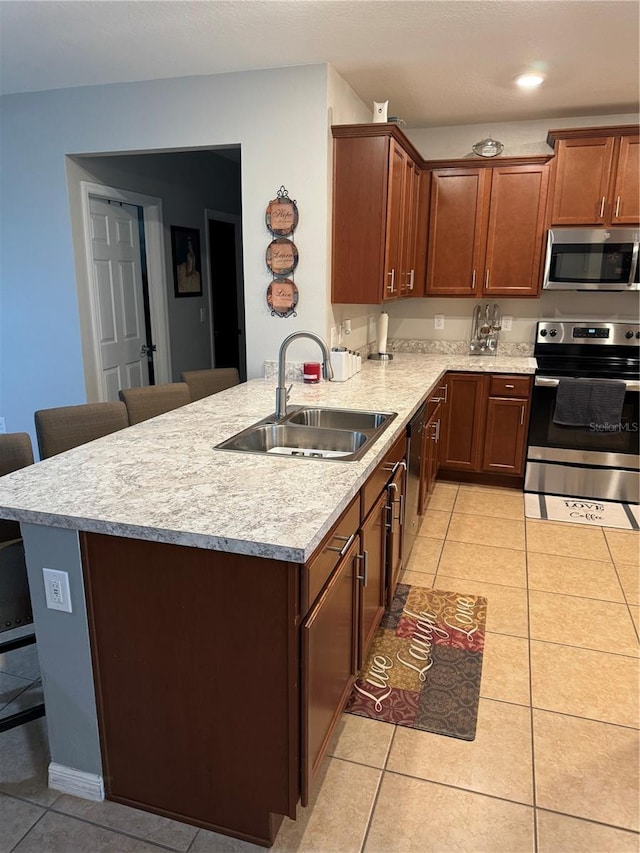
(552, 382)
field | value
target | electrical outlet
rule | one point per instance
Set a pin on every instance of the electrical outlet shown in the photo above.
(3, 425)
(56, 590)
(507, 323)
(438, 321)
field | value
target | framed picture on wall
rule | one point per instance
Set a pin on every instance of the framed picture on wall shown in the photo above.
(187, 263)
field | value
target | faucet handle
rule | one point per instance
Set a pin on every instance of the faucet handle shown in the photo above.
(288, 393)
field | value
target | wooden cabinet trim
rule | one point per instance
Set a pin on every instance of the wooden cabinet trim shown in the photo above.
(588, 132)
(390, 129)
(486, 163)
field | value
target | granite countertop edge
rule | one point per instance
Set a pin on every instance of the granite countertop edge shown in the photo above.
(161, 480)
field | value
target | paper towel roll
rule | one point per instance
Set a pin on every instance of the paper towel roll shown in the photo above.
(383, 325)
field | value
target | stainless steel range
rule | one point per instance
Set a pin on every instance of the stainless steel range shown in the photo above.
(594, 455)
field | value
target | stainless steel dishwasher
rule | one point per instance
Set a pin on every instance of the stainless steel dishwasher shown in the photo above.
(415, 428)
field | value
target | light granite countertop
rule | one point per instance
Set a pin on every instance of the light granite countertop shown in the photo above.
(163, 480)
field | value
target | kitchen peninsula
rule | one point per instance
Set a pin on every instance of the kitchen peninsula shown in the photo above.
(181, 678)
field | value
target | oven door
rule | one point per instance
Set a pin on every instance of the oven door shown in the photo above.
(599, 461)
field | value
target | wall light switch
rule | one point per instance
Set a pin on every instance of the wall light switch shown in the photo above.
(203, 315)
(438, 321)
(507, 323)
(56, 590)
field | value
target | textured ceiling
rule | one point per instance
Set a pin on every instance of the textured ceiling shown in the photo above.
(439, 62)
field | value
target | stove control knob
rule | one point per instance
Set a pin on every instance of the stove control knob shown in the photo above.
(628, 334)
(553, 333)
(543, 333)
(637, 334)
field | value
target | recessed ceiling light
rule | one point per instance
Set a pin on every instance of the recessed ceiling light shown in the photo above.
(529, 81)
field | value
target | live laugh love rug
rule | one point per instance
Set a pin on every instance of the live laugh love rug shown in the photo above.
(423, 670)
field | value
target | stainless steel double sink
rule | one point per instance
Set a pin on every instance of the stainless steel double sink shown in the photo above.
(313, 432)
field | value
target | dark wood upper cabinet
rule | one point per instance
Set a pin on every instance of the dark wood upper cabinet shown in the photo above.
(486, 230)
(595, 176)
(376, 193)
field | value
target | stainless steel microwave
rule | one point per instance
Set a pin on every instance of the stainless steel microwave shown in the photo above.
(592, 259)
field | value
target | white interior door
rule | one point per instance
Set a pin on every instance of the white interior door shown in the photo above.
(117, 281)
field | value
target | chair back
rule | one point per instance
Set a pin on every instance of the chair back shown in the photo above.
(151, 400)
(15, 453)
(203, 383)
(65, 427)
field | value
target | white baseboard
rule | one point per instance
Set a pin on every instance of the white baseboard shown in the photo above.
(89, 786)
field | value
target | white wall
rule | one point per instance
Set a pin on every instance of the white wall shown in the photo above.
(278, 117)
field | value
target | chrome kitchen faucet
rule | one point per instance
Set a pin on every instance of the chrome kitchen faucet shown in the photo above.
(282, 392)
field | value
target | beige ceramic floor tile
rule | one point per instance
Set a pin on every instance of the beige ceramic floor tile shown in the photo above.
(417, 578)
(566, 540)
(635, 615)
(16, 819)
(414, 816)
(562, 679)
(601, 625)
(494, 504)
(362, 740)
(153, 828)
(442, 497)
(505, 669)
(571, 576)
(434, 524)
(57, 833)
(586, 769)
(624, 546)
(24, 763)
(507, 609)
(483, 563)
(630, 579)
(425, 554)
(497, 762)
(473, 487)
(484, 530)
(561, 834)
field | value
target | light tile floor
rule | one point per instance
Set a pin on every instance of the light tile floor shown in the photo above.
(553, 768)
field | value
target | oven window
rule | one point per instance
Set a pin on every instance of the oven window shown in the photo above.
(591, 263)
(611, 438)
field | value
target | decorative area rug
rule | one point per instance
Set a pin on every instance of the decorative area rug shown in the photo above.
(582, 511)
(423, 669)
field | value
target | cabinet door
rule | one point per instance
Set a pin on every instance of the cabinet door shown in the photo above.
(505, 435)
(360, 183)
(462, 426)
(457, 231)
(371, 573)
(395, 524)
(393, 270)
(625, 195)
(515, 232)
(329, 636)
(581, 180)
(409, 285)
(430, 457)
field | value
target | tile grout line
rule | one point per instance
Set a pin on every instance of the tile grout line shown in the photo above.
(33, 825)
(377, 794)
(533, 746)
(624, 592)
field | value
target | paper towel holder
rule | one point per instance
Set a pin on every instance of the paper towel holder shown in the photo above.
(381, 356)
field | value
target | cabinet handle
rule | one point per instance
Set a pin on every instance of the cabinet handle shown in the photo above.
(486, 280)
(438, 430)
(444, 388)
(473, 280)
(509, 386)
(347, 544)
(602, 200)
(411, 275)
(391, 286)
(400, 514)
(617, 212)
(521, 415)
(365, 568)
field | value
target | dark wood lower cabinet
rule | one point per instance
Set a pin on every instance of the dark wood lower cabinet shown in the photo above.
(328, 635)
(505, 435)
(463, 422)
(396, 495)
(372, 573)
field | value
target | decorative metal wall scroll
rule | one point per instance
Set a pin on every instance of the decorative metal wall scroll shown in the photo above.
(282, 255)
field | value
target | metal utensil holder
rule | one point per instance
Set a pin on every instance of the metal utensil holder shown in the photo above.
(485, 327)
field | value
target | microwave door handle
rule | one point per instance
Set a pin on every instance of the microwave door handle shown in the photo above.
(552, 382)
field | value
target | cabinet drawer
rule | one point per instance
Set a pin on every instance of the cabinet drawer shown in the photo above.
(509, 386)
(371, 490)
(316, 572)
